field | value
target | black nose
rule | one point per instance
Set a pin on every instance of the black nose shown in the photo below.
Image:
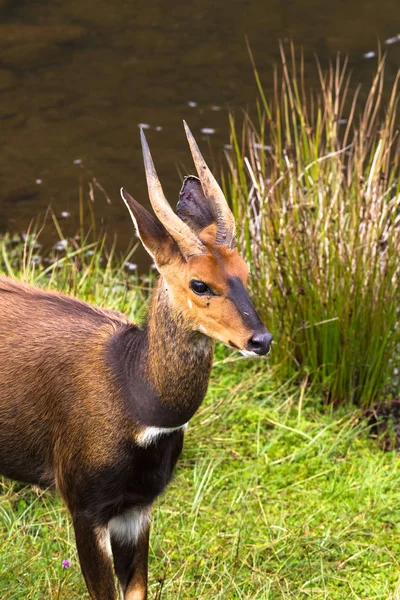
(260, 343)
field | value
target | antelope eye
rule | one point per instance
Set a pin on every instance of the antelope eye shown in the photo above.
(199, 287)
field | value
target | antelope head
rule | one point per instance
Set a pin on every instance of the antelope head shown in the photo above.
(195, 253)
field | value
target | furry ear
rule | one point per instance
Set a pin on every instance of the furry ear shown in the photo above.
(153, 235)
(193, 207)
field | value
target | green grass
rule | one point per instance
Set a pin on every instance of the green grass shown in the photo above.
(315, 186)
(272, 499)
(86, 270)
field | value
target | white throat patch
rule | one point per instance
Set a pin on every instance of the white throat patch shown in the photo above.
(151, 434)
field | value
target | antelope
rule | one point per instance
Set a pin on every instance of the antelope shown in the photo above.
(95, 405)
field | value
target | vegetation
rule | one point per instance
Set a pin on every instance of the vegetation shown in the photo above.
(79, 267)
(315, 186)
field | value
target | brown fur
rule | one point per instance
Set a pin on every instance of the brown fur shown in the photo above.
(177, 376)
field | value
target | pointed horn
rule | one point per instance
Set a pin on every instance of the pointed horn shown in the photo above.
(186, 239)
(226, 228)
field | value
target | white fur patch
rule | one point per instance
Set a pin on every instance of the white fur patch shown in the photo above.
(129, 526)
(248, 353)
(190, 305)
(103, 539)
(202, 328)
(150, 434)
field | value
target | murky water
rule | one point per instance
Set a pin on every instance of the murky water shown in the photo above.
(77, 78)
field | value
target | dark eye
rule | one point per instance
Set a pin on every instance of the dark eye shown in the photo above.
(199, 287)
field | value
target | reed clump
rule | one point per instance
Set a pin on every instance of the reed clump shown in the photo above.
(315, 187)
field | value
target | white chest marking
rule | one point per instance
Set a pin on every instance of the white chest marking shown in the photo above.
(150, 434)
(129, 526)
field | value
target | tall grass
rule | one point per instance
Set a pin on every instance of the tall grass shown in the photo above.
(82, 266)
(315, 187)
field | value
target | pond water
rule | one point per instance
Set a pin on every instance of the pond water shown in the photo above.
(78, 77)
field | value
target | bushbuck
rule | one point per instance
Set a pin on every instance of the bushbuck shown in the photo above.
(97, 406)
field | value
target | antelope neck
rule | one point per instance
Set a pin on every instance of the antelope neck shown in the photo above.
(178, 360)
(166, 366)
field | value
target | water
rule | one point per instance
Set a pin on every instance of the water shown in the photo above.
(78, 77)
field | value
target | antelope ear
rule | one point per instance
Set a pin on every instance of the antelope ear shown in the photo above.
(153, 235)
(193, 207)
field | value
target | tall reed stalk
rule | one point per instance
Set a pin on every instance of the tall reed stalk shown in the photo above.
(315, 189)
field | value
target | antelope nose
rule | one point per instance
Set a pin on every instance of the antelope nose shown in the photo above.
(260, 343)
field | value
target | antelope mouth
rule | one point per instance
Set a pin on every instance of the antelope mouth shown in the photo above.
(252, 354)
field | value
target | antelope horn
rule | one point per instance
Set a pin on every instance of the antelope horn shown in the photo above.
(186, 239)
(226, 229)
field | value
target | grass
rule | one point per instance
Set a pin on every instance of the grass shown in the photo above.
(315, 186)
(275, 495)
(81, 268)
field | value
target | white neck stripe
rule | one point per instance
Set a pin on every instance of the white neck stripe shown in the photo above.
(150, 434)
